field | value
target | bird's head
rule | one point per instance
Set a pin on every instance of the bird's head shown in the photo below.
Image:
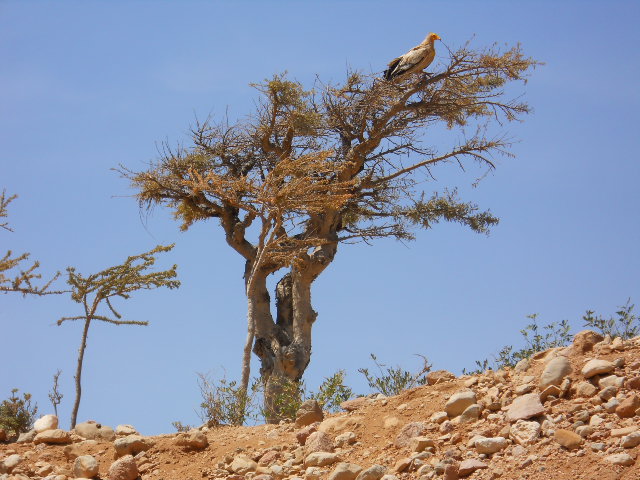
(432, 37)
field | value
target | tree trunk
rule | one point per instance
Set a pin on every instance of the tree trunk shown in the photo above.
(78, 377)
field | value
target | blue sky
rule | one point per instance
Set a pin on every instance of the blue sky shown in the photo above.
(88, 85)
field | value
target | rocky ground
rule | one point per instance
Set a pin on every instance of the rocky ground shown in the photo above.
(567, 413)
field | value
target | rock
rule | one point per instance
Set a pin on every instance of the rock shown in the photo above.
(459, 401)
(597, 367)
(611, 381)
(622, 459)
(354, 404)
(390, 422)
(26, 437)
(439, 376)
(308, 413)
(46, 422)
(124, 468)
(585, 389)
(522, 366)
(630, 441)
(123, 430)
(420, 444)
(524, 433)
(132, 445)
(242, 464)
(568, 439)
(337, 424)
(268, 458)
(467, 467)
(585, 340)
(489, 446)
(470, 414)
(9, 463)
(608, 393)
(525, 407)
(611, 405)
(53, 437)
(95, 431)
(628, 406)
(621, 432)
(374, 472)
(451, 472)
(318, 442)
(345, 471)
(410, 430)
(550, 391)
(85, 466)
(633, 383)
(344, 439)
(554, 372)
(303, 434)
(438, 417)
(524, 388)
(320, 459)
(402, 465)
(193, 439)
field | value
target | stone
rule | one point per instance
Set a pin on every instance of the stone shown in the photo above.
(451, 472)
(522, 366)
(524, 432)
(621, 432)
(420, 444)
(85, 466)
(318, 442)
(597, 367)
(568, 439)
(53, 437)
(268, 458)
(611, 381)
(550, 391)
(489, 446)
(95, 431)
(633, 383)
(585, 340)
(9, 463)
(320, 459)
(194, 439)
(354, 404)
(402, 465)
(554, 372)
(132, 445)
(311, 473)
(467, 467)
(608, 393)
(124, 468)
(585, 389)
(374, 472)
(410, 430)
(630, 441)
(611, 405)
(303, 434)
(123, 430)
(438, 417)
(525, 407)
(622, 459)
(344, 439)
(459, 401)
(439, 376)
(242, 464)
(470, 414)
(308, 413)
(46, 422)
(26, 437)
(338, 424)
(585, 431)
(345, 471)
(628, 406)
(390, 422)
(524, 388)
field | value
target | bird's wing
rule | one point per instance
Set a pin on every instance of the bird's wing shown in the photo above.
(410, 59)
(388, 73)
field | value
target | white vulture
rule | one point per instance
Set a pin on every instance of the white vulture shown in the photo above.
(415, 60)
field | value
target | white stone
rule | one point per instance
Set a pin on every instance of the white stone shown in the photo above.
(345, 471)
(490, 445)
(459, 401)
(597, 367)
(126, 430)
(242, 464)
(85, 466)
(554, 372)
(630, 441)
(524, 432)
(46, 422)
(623, 459)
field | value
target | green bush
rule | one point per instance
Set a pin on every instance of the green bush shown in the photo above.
(16, 414)
(393, 380)
(224, 402)
(626, 325)
(333, 392)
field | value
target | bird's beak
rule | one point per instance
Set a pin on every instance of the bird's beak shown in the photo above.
(436, 37)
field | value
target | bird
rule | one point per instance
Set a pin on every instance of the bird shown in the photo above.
(415, 60)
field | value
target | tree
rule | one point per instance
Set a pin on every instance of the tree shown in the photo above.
(21, 282)
(369, 137)
(118, 281)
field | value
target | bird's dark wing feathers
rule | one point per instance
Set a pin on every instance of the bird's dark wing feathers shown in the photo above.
(389, 72)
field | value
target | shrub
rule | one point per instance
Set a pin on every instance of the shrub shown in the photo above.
(332, 392)
(16, 414)
(626, 325)
(180, 427)
(223, 402)
(393, 380)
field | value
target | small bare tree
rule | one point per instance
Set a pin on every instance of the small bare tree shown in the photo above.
(22, 281)
(55, 397)
(118, 281)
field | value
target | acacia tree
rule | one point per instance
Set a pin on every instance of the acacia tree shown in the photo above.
(118, 281)
(373, 135)
(22, 281)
